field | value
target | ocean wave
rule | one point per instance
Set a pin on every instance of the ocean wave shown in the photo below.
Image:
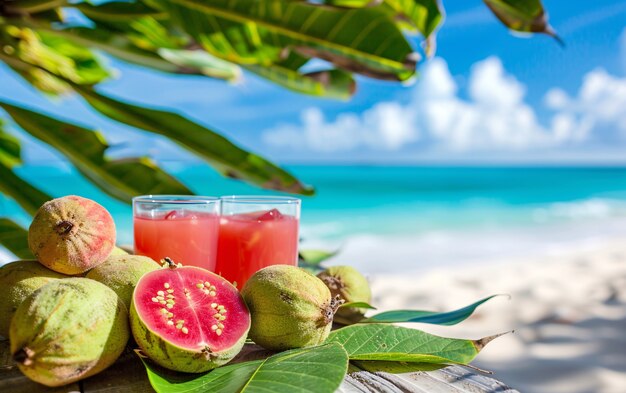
(593, 208)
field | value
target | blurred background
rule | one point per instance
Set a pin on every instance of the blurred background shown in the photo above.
(498, 168)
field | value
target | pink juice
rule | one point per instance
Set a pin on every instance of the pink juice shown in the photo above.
(251, 241)
(189, 238)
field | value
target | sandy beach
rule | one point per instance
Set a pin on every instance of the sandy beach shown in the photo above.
(568, 311)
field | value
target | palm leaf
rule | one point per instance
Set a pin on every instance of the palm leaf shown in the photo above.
(118, 11)
(336, 35)
(327, 83)
(32, 6)
(122, 179)
(61, 58)
(424, 15)
(22, 192)
(219, 152)
(14, 238)
(526, 16)
(10, 149)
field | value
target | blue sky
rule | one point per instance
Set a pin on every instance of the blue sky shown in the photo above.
(487, 96)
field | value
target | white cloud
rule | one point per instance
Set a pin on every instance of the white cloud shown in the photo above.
(493, 117)
(599, 104)
(387, 125)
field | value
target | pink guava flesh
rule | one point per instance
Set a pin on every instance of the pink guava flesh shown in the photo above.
(192, 308)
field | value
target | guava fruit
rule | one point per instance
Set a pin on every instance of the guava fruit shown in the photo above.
(71, 235)
(351, 286)
(18, 280)
(118, 251)
(290, 308)
(187, 318)
(68, 330)
(122, 272)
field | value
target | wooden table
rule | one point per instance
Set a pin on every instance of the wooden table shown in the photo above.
(128, 375)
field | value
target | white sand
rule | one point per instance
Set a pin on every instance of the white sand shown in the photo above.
(568, 312)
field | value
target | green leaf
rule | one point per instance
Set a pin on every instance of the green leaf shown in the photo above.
(56, 55)
(118, 11)
(86, 149)
(229, 159)
(120, 45)
(432, 317)
(399, 344)
(395, 367)
(14, 238)
(319, 369)
(315, 257)
(424, 15)
(333, 34)
(358, 305)
(351, 3)
(33, 6)
(328, 83)
(22, 192)
(232, 41)
(204, 62)
(526, 16)
(10, 150)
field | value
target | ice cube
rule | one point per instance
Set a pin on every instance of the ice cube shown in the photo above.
(271, 215)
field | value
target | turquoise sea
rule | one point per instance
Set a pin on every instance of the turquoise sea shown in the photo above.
(417, 214)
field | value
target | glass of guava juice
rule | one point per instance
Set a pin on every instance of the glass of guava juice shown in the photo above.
(256, 232)
(182, 227)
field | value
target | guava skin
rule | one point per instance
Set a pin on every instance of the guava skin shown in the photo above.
(290, 308)
(71, 235)
(351, 286)
(19, 280)
(122, 272)
(68, 330)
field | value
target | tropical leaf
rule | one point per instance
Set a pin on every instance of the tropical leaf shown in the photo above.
(32, 6)
(156, 49)
(122, 179)
(380, 342)
(27, 196)
(328, 83)
(424, 15)
(432, 317)
(332, 34)
(352, 3)
(317, 369)
(14, 238)
(204, 62)
(118, 11)
(121, 46)
(358, 305)
(315, 257)
(526, 16)
(227, 158)
(395, 367)
(232, 41)
(10, 149)
(61, 58)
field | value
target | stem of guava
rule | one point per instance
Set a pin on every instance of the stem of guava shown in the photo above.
(24, 356)
(64, 227)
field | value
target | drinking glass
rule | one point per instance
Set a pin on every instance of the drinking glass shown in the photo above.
(182, 227)
(255, 232)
